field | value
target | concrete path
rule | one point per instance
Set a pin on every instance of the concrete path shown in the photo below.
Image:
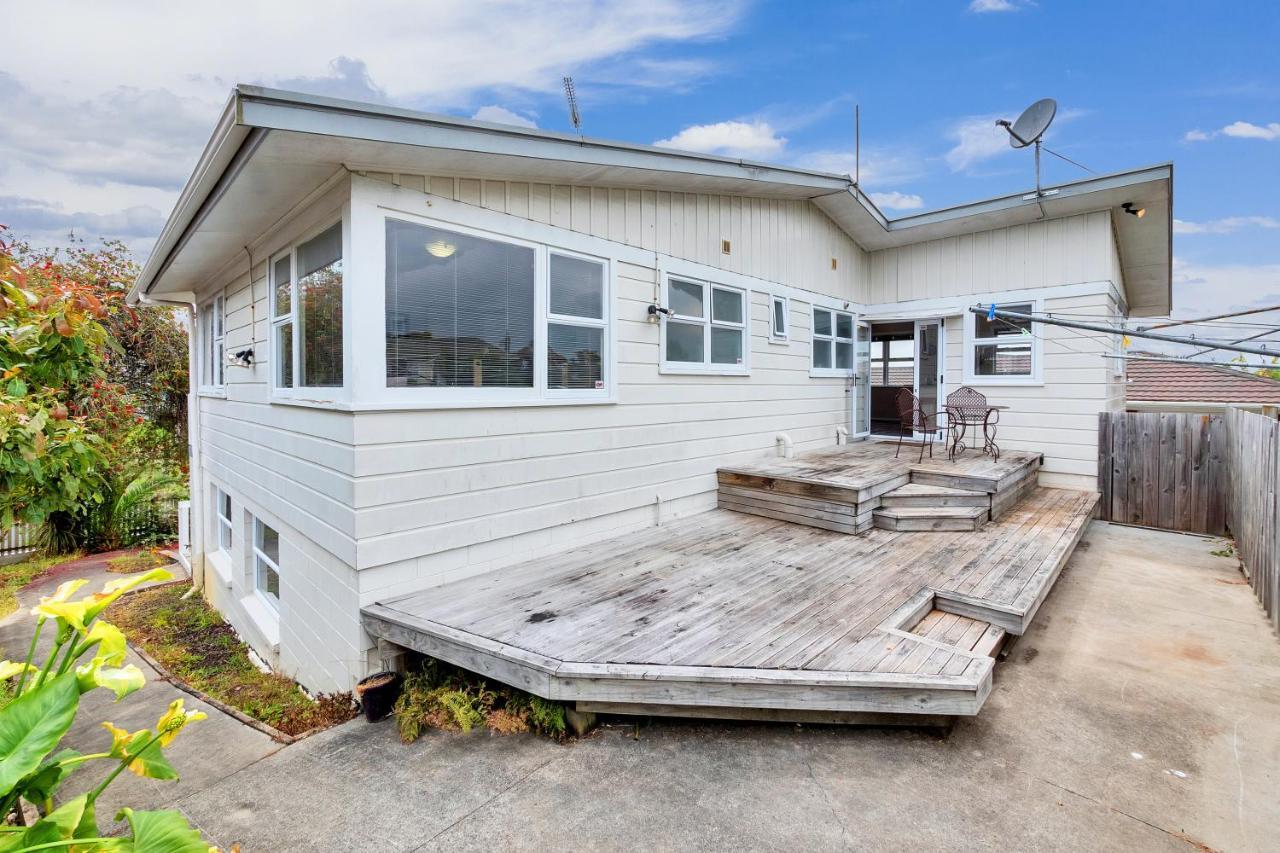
(203, 754)
(1138, 713)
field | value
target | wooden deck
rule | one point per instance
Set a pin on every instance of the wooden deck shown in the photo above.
(728, 613)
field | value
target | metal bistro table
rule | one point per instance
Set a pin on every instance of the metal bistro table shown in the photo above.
(961, 416)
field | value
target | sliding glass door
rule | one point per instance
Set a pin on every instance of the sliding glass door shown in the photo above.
(929, 366)
(862, 382)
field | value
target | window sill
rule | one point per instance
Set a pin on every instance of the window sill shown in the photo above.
(780, 342)
(993, 382)
(213, 393)
(429, 405)
(823, 373)
(264, 617)
(693, 370)
(220, 562)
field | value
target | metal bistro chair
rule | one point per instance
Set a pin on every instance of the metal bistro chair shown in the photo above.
(912, 418)
(966, 407)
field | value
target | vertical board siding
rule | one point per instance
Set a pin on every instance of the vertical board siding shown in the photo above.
(1165, 470)
(1252, 511)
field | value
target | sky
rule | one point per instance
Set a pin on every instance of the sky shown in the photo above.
(106, 106)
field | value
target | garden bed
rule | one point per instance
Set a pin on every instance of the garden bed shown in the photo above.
(195, 646)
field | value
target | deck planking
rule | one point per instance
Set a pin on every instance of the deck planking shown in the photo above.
(733, 610)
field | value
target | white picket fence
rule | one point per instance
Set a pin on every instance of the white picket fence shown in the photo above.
(17, 543)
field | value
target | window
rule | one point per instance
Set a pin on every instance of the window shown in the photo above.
(706, 329)
(832, 342)
(212, 325)
(222, 514)
(778, 318)
(266, 562)
(306, 313)
(1000, 350)
(493, 318)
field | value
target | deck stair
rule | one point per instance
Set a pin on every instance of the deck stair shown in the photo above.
(923, 518)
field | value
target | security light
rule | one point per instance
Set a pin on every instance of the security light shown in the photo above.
(1129, 207)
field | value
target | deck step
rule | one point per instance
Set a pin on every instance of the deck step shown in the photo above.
(948, 518)
(923, 495)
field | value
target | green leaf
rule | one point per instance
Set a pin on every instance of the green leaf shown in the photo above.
(17, 387)
(45, 782)
(161, 832)
(59, 825)
(32, 725)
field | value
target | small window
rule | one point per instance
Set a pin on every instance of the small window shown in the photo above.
(266, 562)
(222, 510)
(213, 325)
(832, 342)
(778, 318)
(306, 313)
(575, 324)
(706, 328)
(1003, 349)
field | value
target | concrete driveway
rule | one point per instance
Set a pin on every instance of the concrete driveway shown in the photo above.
(1139, 713)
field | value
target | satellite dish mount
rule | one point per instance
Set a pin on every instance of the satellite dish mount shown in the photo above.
(1029, 130)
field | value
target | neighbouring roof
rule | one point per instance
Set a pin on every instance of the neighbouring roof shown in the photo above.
(270, 149)
(1188, 382)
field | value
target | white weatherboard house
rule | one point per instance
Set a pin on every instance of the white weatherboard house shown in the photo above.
(475, 345)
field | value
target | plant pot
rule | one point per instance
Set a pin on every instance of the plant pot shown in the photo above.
(377, 694)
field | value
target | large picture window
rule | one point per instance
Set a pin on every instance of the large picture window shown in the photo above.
(706, 328)
(306, 313)
(1000, 350)
(832, 342)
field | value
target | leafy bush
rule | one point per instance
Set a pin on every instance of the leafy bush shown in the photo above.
(41, 704)
(441, 696)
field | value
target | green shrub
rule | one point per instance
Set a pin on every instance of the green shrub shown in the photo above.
(441, 696)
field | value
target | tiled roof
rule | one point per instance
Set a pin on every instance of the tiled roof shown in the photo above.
(1185, 382)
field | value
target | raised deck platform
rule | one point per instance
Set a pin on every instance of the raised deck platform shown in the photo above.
(731, 614)
(851, 488)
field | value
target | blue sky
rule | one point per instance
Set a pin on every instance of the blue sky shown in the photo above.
(110, 107)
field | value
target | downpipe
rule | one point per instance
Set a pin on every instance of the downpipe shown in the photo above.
(785, 447)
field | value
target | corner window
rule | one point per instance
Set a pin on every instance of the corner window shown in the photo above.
(266, 562)
(212, 329)
(493, 319)
(778, 318)
(1001, 350)
(706, 329)
(832, 342)
(222, 516)
(306, 313)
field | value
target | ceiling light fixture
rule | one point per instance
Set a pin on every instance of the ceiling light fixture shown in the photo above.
(441, 249)
(1129, 207)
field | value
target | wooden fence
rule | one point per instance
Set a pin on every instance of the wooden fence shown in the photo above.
(1163, 470)
(1253, 483)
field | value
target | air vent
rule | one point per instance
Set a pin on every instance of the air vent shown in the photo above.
(725, 247)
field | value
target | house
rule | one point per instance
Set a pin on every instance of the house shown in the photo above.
(468, 346)
(1158, 384)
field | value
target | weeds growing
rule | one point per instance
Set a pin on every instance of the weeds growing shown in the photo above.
(441, 696)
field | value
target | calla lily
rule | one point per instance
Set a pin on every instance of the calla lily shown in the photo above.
(49, 604)
(99, 601)
(119, 680)
(8, 669)
(175, 720)
(111, 643)
(73, 613)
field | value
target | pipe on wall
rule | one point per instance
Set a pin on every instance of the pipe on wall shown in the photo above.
(842, 435)
(786, 448)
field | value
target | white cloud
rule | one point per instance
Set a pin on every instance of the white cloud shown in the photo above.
(897, 201)
(983, 6)
(1201, 290)
(756, 139)
(1224, 226)
(977, 138)
(1239, 130)
(880, 167)
(502, 115)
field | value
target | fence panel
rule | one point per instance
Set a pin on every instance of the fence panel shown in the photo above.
(18, 542)
(1253, 472)
(1163, 470)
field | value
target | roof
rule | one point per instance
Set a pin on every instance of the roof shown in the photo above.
(270, 149)
(1195, 382)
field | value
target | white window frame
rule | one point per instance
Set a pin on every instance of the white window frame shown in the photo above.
(707, 322)
(213, 331)
(222, 523)
(779, 335)
(835, 338)
(297, 389)
(972, 342)
(256, 554)
(538, 392)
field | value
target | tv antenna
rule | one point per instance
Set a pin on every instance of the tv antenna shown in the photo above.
(1029, 130)
(571, 97)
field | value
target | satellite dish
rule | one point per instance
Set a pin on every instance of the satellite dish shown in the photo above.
(1032, 124)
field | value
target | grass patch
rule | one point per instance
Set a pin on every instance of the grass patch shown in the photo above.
(440, 696)
(138, 561)
(191, 640)
(15, 576)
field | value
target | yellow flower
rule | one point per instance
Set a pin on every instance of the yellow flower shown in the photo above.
(174, 720)
(8, 669)
(111, 643)
(99, 601)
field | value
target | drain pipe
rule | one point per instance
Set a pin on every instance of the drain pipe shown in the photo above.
(786, 448)
(842, 435)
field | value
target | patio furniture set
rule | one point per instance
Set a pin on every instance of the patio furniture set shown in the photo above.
(965, 409)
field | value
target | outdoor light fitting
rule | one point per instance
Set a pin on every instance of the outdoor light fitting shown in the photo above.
(1129, 207)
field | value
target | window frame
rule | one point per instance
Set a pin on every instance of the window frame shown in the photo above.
(835, 339)
(256, 553)
(776, 335)
(223, 523)
(213, 344)
(707, 322)
(972, 342)
(538, 392)
(278, 321)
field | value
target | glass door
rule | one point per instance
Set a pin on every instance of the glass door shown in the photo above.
(862, 382)
(928, 373)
